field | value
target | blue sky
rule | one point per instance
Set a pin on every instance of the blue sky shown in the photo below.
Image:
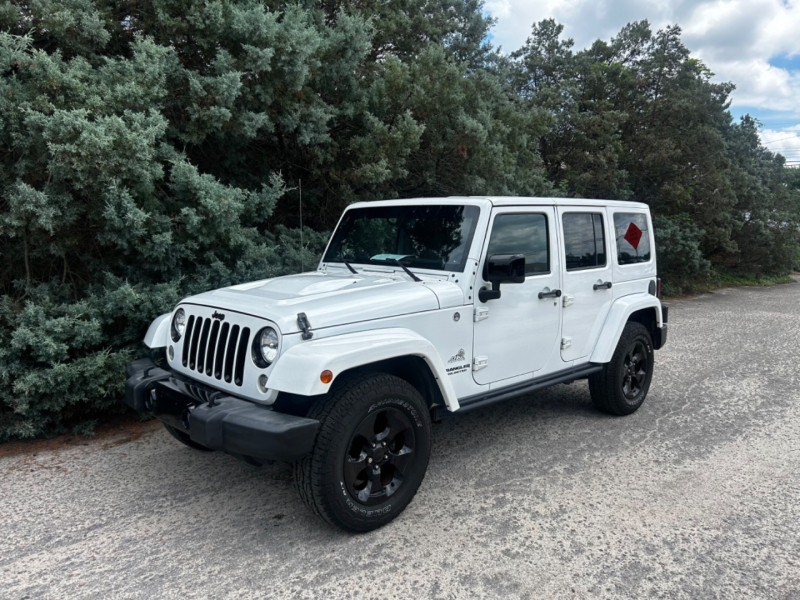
(753, 43)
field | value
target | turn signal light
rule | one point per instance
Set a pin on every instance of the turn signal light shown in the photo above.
(326, 377)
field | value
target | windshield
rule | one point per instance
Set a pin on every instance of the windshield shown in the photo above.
(419, 236)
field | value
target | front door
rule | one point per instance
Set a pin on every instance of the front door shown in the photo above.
(587, 293)
(518, 332)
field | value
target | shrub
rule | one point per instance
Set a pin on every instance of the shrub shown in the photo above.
(681, 264)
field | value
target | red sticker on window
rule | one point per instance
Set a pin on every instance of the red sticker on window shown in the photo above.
(633, 235)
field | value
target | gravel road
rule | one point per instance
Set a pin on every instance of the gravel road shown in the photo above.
(697, 495)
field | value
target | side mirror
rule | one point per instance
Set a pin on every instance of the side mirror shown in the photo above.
(501, 268)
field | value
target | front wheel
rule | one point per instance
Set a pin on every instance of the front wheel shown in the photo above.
(370, 455)
(621, 387)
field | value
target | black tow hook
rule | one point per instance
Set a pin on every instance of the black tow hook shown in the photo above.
(150, 401)
(185, 417)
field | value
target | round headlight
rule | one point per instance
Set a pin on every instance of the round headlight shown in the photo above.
(265, 347)
(178, 324)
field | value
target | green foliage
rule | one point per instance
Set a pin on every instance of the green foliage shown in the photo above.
(679, 255)
(727, 279)
(637, 118)
(158, 148)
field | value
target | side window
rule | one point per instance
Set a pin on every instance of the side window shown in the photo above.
(584, 240)
(522, 234)
(633, 238)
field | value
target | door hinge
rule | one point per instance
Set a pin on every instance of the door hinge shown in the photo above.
(479, 362)
(566, 342)
(481, 314)
(567, 300)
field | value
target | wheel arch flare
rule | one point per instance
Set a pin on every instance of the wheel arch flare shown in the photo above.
(299, 370)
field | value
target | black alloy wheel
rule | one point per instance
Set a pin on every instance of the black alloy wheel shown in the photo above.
(621, 387)
(379, 456)
(370, 454)
(634, 371)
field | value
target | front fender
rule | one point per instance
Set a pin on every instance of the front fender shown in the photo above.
(618, 315)
(297, 371)
(157, 335)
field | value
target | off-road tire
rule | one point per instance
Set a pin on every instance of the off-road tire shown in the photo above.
(184, 438)
(608, 387)
(320, 476)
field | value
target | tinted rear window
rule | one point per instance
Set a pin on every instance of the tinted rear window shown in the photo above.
(584, 240)
(633, 238)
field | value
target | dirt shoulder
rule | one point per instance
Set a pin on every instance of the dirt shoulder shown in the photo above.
(110, 432)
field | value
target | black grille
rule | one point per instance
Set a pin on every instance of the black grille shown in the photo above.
(214, 349)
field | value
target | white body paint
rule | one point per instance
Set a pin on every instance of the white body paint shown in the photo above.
(380, 313)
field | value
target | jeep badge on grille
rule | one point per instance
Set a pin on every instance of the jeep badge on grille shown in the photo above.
(218, 315)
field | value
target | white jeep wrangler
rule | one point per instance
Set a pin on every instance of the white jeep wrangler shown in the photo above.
(417, 306)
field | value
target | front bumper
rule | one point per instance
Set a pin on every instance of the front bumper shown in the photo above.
(216, 420)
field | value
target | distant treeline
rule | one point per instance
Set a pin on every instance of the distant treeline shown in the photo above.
(151, 149)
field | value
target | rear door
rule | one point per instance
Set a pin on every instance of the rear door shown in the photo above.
(587, 279)
(518, 332)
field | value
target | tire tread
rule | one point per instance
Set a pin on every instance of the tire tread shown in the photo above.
(331, 409)
(603, 384)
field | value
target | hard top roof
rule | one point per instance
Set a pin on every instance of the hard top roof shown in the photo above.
(508, 201)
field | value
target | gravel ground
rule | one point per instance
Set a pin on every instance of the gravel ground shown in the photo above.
(697, 495)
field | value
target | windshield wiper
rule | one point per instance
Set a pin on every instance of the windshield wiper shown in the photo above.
(402, 266)
(346, 264)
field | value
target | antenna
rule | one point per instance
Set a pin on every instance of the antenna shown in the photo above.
(302, 244)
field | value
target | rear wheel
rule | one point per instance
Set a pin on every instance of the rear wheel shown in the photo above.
(621, 387)
(370, 455)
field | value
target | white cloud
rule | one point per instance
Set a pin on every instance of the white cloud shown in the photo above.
(786, 142)
(734, 38)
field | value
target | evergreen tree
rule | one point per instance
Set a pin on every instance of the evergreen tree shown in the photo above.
(151, 149)
(638, 118)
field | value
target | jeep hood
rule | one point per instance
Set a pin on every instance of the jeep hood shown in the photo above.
(331, 299)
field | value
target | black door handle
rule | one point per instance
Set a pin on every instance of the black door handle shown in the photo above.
(602, 286)
(553, 294)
